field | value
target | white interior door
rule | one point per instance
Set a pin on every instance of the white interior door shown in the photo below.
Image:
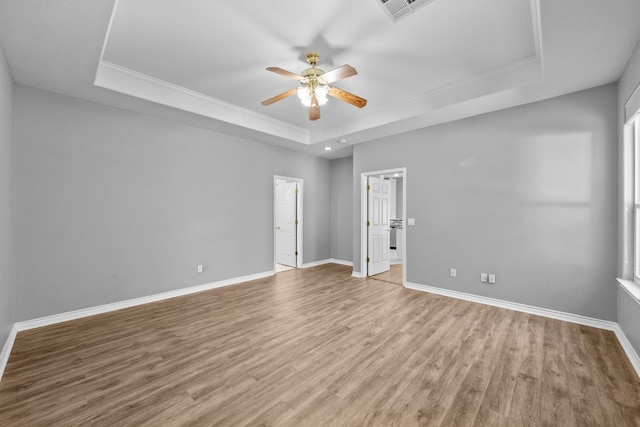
(379, 227)
(286, 218)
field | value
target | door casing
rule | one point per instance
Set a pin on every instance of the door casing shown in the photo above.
(363, 220)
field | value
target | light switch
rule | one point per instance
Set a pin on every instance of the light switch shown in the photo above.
(411, 221)
(483, 277)
(492, 278)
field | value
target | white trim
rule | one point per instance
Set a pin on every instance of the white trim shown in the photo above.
(130, 82)
(632, 105)
(91, 311)
(6, 350)
(357, 274)
(630, 287)
(427, 108)
(327, 261)
(317, 263)
(539, 311)
(341, 262)
(633, 290)
(363, 227)
(363, 218)
(106, 37)
(628, 348)
(536, 25)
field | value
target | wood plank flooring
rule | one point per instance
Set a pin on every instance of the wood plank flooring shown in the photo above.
(394, 275)
(318, 347)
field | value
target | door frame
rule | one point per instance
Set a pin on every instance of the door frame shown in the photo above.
(299, 227)
(363, 219)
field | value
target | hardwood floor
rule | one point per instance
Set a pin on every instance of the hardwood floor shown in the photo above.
(314, 347)
(394, 275)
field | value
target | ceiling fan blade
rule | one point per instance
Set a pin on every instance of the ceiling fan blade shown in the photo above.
(285, 73)
(314, 109)
(339, 73)
(345, 96)
(276, 98)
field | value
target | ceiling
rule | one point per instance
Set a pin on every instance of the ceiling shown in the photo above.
(203, 63)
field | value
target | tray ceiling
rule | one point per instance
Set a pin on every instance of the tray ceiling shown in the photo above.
(206, 60)
(210, 57)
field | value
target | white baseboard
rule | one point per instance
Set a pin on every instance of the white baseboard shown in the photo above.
(6, 350)
(341, 262)
(357, 274)
(316, 263)
(545, 312)
(628, 348)
(326, 261)
(91, 311)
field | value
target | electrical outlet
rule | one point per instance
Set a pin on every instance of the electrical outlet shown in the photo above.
(199, 268)
(483, 277)
(453, 272)
(492, 278)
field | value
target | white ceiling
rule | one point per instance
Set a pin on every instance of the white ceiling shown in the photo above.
(203, 62)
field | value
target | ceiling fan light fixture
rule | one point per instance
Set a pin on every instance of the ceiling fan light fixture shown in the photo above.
(304, 96)
(321, 93)
(306, 92)
(314, 86)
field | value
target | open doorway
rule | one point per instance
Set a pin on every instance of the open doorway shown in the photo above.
(287, 230)
(383, 219)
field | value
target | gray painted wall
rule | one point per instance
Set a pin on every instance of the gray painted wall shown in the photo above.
(7, 202)
(113, 205)
(628, 308)
(342, 209)
(527, 193)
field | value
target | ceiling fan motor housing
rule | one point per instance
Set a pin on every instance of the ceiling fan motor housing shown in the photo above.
(312, 74)
(313, 58)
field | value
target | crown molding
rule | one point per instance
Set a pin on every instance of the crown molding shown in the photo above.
(130, 82)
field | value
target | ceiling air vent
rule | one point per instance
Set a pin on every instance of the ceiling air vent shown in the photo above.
(398, 9)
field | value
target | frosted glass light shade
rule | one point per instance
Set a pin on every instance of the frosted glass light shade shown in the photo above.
(305, 94)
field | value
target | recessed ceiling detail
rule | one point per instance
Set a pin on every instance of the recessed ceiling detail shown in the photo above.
(398, 9)
(202, 62)
(196, 65)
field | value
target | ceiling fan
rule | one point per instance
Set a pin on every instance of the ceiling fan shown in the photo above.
(314, 86)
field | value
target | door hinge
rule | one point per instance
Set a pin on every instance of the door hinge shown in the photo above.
(296, 253)
(296, 222)
(368, 260)
(296, 190)
(368, 187)
(368, 224)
